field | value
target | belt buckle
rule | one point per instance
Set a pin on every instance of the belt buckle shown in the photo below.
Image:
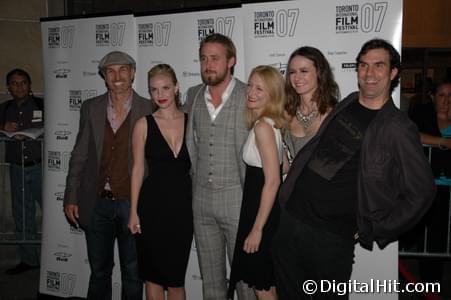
(108, 194)
(31, 163)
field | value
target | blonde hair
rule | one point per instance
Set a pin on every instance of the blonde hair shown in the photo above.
(274, 85)
(167, 70)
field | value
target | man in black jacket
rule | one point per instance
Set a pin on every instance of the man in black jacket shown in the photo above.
(362, 178)
(24, 111)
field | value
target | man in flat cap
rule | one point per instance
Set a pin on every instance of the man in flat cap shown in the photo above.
(98, 182)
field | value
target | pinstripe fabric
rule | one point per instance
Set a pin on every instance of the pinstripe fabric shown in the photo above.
(218, 173)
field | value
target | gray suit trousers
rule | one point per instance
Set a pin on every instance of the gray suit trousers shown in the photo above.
(216, 216)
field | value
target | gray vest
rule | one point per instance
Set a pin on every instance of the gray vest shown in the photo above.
(217, 165)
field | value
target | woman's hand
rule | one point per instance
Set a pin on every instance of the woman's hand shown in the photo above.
(133, 223)
(252, 242)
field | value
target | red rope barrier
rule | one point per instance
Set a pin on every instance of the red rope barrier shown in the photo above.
(410, 278)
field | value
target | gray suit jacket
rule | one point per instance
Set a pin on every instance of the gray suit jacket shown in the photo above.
(238, 96)
(81, 181)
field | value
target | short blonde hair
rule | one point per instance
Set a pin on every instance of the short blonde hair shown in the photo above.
(275, 86)
(166, 70)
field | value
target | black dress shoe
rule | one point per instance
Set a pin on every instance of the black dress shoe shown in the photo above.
(20, 268)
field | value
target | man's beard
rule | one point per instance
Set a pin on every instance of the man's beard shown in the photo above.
(214, 78)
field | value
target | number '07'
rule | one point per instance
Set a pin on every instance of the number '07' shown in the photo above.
(286, 21)
(162, 30)
(372, 16)
(67, 36)
(225, 25)
(117, 31)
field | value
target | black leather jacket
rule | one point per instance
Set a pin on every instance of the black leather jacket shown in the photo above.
(395, 182)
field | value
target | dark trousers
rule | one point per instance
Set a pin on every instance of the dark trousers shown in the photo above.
(26, 191)
(109, 222)
(302, 252)
(436, 221)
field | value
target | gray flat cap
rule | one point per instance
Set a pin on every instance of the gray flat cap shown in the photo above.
(116, 58)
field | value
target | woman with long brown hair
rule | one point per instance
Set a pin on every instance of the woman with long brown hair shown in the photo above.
(311, 94)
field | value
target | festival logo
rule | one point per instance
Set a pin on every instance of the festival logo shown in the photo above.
(110, 34)
(54, 37)
(54, 160)
(102, 35)
(60, 282)
(145, 35)
(367, 17)
(58, 161)
(61, 37)
(347, 18)
(76, 98)
(276, 23)
(222, 25)
(264, 24)
(154, 34)
(53, 281)
(205, 27)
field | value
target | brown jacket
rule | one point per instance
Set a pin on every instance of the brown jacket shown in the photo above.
(86, 156)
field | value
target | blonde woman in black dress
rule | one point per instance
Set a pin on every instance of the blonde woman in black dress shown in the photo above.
(262, 153)
(161, 214)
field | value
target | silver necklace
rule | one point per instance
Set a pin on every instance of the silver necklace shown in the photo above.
(306, 120)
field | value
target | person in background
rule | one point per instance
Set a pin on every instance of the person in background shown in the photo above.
(435, 130)
(448, 134)
(423, 93)
(161, 213)
(97, 195)
(311, 94)
(362, 178)
(262, 153)
(24, 111)
(432, 118)
(215, 135)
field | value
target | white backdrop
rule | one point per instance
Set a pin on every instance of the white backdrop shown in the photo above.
(264, 33)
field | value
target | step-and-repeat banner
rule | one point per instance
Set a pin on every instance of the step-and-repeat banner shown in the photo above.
(264, 33)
